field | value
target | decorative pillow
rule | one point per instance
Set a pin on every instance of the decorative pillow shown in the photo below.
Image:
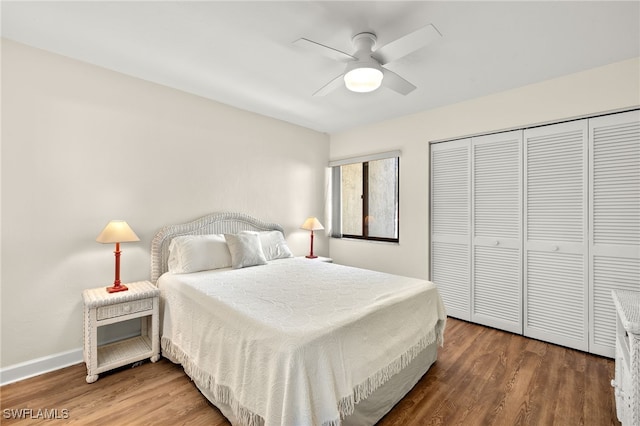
(193, 253)
(273, 245)
(245, 249)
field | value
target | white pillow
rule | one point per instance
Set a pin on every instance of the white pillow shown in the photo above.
(273, 245)
(193, 253)
(245, 249)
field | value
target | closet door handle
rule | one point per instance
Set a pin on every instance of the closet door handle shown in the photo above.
(555, 248)
(496, 243)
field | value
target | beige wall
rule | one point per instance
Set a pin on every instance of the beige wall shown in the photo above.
(607, 88)
(82, 145)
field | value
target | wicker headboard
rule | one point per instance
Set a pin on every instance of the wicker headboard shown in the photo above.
(215, 223)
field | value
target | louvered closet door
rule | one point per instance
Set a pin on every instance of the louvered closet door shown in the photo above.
(615, 220)
(450, 225)
(496, 278)
(555, 231)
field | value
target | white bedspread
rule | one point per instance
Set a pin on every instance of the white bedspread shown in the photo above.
(296, 342)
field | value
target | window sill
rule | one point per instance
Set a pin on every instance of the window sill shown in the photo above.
(363, 240)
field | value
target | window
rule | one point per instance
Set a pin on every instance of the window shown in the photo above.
(365, 197)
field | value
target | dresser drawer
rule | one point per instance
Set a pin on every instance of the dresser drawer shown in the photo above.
(126, 308)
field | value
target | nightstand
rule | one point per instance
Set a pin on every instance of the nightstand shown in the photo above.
(318, 259)
(627, 371)
(102, 309)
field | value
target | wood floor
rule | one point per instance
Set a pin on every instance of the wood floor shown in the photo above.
(482, 377)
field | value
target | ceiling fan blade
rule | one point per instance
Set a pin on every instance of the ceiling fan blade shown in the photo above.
(394, 82)
(330, 86)
(327, 51)
(406, 44)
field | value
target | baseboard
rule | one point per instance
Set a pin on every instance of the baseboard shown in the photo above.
(35, 367)
(38, 366)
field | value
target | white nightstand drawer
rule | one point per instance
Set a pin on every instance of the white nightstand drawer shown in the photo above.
(126, 308)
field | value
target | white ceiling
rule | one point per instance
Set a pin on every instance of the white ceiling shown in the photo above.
(241, 53)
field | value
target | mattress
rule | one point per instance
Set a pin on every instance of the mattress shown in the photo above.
(296, 342)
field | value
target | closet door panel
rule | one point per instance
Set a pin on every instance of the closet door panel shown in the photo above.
(608, 273)
(450, 225)
(450, 272)
(555, 234)
(555, 298)
(496, 278)
(614, 147)
(497, 295)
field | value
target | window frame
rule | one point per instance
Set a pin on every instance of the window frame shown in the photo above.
(337, 196)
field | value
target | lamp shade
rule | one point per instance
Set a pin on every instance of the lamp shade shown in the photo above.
(117, 231)
(312, 224)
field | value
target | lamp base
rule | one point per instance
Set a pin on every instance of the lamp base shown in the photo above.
(311, 256)
(117, 288)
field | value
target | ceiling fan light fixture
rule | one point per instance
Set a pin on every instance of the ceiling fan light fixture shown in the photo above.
(363, 79)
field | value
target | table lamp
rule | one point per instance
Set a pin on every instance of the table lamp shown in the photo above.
(117, 231)
(312, 224)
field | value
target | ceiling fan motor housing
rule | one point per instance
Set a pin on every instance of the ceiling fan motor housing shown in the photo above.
(364, 44)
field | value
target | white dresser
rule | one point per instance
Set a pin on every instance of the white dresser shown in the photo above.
(627, 380)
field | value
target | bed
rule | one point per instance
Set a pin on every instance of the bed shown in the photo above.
(272, 339)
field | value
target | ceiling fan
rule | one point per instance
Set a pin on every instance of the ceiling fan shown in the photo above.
(364, 71)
